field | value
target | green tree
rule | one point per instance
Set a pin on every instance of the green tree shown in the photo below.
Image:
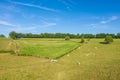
(82, 39)
(100, 35)
(118, 35)
(67, 38)
(2, 36)
(13, 35)
(108, 39)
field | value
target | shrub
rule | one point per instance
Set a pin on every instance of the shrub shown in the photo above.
(82, 39)
(13, 35)
(67, 38)
(108, 39)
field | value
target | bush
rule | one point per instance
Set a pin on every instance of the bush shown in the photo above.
(13, 35)
(2, 36)
(108, 39)
(82, 40)
(67, 38)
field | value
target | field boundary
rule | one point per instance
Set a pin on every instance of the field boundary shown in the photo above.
(68, 52)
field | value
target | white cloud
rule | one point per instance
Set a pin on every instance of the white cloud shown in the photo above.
(68, 3)
(49, 24)
(113, 18)
(24, 28)
(27, 16)
(18, 27)
(94, 25)
(35, 6)
(103, 24)
(45, 24)
(7, 23)
(15, 27)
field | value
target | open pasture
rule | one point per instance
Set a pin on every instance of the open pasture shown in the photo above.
(90, 61)
(5, 45)
(49, 48)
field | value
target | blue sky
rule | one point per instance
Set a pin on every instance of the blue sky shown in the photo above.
(64, 16)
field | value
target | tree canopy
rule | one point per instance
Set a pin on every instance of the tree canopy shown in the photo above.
(13, 35)
(2, 36)
(108, 39)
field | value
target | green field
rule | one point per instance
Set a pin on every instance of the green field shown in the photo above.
(50, 48)
(90, 61)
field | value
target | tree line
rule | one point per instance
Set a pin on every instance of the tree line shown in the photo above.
(2, 36)
(16, 35)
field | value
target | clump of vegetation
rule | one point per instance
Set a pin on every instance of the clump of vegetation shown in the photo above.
(2, 36)
(13, 35)
(67, 38)
(82, 39)
(108, 39)
(118, 35)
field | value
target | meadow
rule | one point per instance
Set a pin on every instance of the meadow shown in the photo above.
(49, 48)
(92, 60)
(5, 45)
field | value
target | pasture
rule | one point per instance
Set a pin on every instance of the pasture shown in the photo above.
(91, 61)
(49, 48)
(5, 45)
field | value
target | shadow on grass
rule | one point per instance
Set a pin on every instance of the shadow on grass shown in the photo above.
(103, 42)
(2, 51)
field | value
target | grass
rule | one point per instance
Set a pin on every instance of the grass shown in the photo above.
(97, 61)
(91, 61)
(5, 45)
(50, 48)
